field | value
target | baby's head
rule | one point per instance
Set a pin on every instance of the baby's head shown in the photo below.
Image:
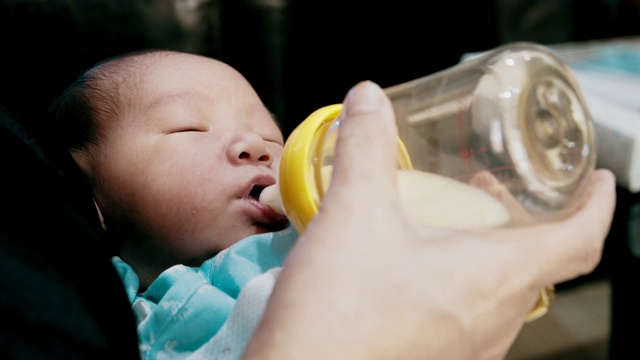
(176, 148)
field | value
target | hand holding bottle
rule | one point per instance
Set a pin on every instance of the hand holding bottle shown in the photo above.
(367, 281)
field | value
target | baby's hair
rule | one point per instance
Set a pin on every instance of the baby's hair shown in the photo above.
(98, 97)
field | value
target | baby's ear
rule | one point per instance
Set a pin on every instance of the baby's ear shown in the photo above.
(80, 157)
(104, 227)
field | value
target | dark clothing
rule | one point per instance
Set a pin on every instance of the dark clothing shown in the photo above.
(48, 230)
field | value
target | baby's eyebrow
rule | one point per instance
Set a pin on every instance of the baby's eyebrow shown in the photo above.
(275, 119)
(164, 98)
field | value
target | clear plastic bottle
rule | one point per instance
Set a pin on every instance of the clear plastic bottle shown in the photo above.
(511, 123)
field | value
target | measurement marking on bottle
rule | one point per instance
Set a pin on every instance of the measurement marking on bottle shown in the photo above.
(464, 152)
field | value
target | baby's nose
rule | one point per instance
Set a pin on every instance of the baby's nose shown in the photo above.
(250, 148)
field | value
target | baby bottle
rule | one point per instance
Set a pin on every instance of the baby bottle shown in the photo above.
(502, 139)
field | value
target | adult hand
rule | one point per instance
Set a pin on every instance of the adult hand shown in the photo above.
(365, 281)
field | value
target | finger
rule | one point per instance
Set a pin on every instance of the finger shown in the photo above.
(566, 249)
(367, 140)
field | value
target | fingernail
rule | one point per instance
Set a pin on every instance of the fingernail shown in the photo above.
(365, 97)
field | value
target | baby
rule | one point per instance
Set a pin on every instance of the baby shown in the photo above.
(176, 148)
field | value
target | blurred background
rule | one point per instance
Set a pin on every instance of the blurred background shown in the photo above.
(298, 54)
(303, 54)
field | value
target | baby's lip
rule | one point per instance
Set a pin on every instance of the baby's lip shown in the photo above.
(266, 215)
(253, 189)
(274, 218)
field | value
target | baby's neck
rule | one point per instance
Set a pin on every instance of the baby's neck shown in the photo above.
(147, 268)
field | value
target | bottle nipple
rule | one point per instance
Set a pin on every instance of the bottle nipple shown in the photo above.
(271, 197)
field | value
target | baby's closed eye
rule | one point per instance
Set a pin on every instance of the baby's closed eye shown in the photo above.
(184, 129)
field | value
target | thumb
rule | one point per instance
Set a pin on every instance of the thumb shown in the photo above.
(366, 145)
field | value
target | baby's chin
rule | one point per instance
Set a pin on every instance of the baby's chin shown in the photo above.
(262, 228)
(256, 228)
(235, 237)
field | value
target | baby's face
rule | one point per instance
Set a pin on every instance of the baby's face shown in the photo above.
(188, 158)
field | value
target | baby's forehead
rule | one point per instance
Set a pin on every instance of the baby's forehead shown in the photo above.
(183, 68)
(137, 75)
(134, 67)
(151, 79)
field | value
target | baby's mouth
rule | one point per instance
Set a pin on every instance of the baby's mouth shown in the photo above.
(255, 192)
(255, 187)
(271, 218)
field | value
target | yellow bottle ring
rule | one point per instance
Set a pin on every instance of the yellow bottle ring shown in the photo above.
(300, 167)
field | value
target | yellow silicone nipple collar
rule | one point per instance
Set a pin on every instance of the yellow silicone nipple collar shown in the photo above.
(300, 167)
(299, 199)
